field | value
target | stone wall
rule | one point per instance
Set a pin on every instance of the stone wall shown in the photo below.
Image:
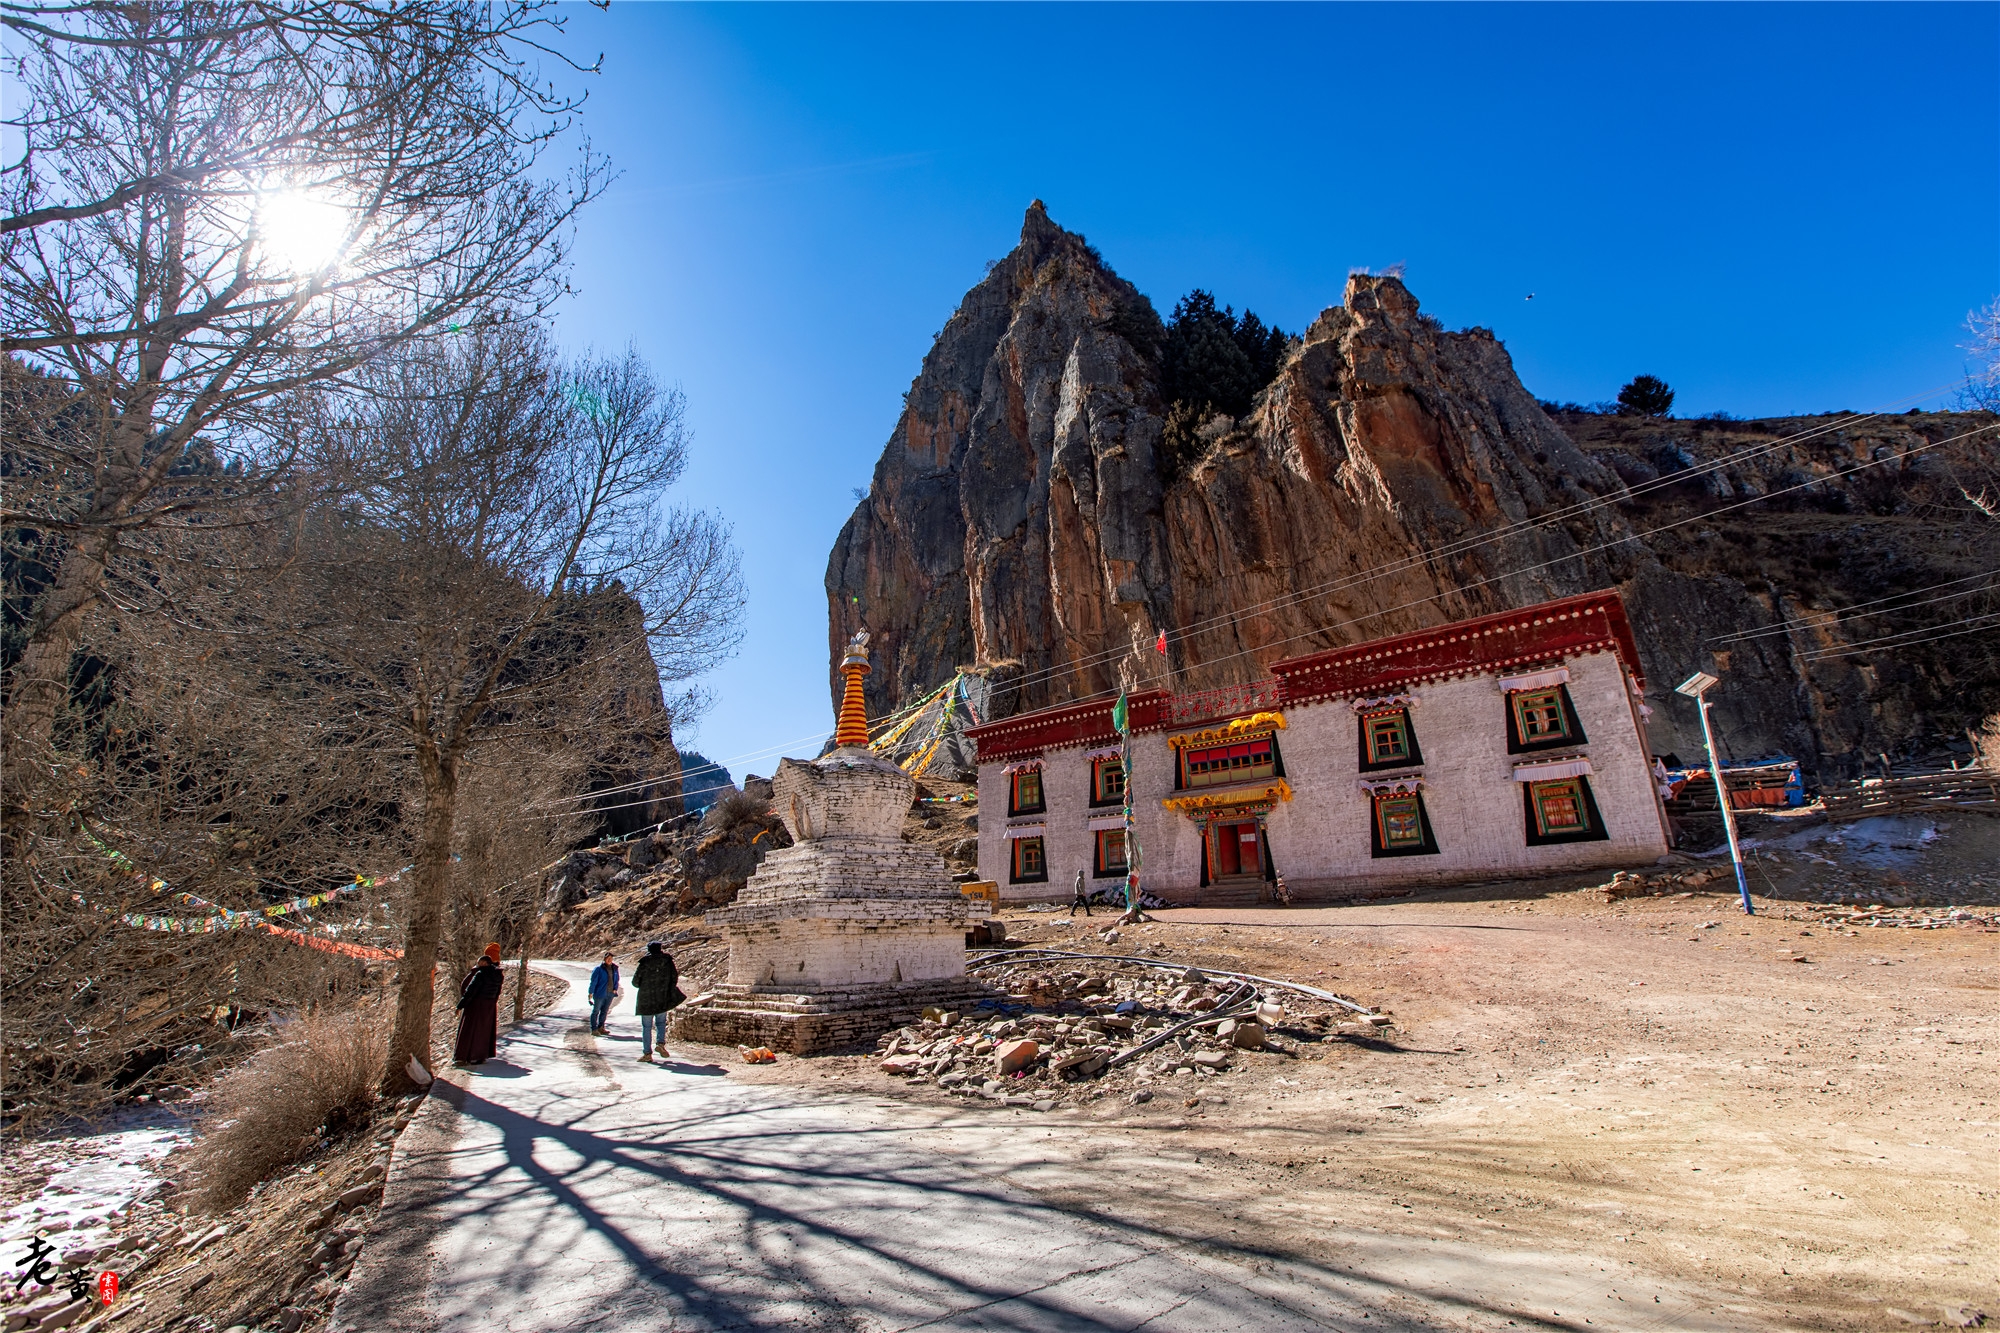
(805, 1023)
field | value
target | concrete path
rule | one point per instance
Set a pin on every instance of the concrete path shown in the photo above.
(566, 1186)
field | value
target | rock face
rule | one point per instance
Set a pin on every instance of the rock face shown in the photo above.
(1394, 476)
(637, 742)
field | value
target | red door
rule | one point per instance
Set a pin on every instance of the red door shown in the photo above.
(1236, 850)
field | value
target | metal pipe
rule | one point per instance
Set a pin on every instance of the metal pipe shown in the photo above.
(1230, 1008)
(1722, 799)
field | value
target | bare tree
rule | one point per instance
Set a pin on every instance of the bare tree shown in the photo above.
(1982, 383)
(195, 780)
(506, 841)
(219, 205)
(492, 520)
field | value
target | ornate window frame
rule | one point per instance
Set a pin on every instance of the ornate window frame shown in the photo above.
(1523, 692)
(1371, 759)
(1400, 800)
(1101, 867)
(1544, 790)
(1101, 765)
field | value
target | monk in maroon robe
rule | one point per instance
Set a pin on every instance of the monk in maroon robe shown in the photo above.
(479, 1011)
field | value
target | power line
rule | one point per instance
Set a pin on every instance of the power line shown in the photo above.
(1514, 529)
(1864, 645)
(1460, 547)
(1590, 550)
(1855, 612)
(1908, 643)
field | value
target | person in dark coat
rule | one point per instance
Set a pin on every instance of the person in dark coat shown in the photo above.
(479, 1011)
(658, 982)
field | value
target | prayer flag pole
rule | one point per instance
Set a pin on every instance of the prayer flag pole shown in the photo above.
(1121, 718)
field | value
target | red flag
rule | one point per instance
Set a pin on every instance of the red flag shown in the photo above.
(1161, 643)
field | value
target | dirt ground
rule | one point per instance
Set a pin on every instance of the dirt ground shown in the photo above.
(1797, 1115)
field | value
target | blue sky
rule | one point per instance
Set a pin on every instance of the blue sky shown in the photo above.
(1779, 208)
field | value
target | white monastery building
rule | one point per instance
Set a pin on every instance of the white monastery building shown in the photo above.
(1513, 743)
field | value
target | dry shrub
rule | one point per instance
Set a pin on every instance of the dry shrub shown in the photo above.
(736, 807)
(271, 1110)
(1986, 745)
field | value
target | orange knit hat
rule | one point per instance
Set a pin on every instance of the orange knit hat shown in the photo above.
(493, 952)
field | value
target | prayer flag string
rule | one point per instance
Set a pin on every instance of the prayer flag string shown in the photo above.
(225, 919)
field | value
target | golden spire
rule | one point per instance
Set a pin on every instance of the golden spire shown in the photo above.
(852, 726)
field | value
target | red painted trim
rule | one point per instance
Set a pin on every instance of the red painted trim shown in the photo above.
(1061, 727)
(1548, 633)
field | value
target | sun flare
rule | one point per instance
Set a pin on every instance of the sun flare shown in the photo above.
(302, 234)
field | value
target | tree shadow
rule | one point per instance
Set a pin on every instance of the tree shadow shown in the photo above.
(806, 1220)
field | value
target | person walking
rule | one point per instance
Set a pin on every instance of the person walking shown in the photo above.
(658, 983)
(479, 1011)
(604, 989)
(1082, 899)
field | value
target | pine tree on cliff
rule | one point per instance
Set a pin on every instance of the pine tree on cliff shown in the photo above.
(1211, 362)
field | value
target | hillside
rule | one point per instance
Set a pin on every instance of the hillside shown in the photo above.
(1395, 475)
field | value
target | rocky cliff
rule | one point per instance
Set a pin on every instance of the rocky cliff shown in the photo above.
(1394, 476)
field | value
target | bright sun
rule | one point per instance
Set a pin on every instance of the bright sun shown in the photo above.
(301, 233)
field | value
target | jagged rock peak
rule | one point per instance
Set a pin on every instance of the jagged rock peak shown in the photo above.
(1033, 515)
(1036, 226)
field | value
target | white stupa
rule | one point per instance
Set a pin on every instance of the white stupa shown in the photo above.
(850, 931)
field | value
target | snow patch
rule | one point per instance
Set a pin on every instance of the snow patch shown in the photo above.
(95, 1178)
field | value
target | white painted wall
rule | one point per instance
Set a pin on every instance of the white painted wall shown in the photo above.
(1320, 839)
(807, 954)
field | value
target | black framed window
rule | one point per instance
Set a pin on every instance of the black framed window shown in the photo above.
(1024, 792)
(1110, 859)
(1538, 719)
(1388, 740)
(1107, 781)
(1400, 826)
(1030, 862)
(1562, 810)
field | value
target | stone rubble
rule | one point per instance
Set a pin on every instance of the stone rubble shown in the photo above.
(1903, 918)
(1056, 1038)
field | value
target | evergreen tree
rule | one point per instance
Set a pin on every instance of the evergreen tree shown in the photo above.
(1211, 362)
(1203, 363)
(702, 780)
(1645, 396)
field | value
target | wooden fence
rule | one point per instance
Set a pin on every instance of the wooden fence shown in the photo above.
(1956, 789)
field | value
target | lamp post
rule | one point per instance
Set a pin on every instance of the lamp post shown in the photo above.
(1696, 687)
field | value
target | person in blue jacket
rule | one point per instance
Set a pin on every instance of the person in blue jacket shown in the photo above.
(604, 988)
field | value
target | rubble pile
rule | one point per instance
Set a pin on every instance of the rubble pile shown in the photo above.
(1639, 884)
(602, 896)
(1075, 1034)
(1840, 917)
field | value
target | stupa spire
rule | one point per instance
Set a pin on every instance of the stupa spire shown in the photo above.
(851, 728)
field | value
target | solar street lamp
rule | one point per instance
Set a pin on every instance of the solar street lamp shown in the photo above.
(1696, 687)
